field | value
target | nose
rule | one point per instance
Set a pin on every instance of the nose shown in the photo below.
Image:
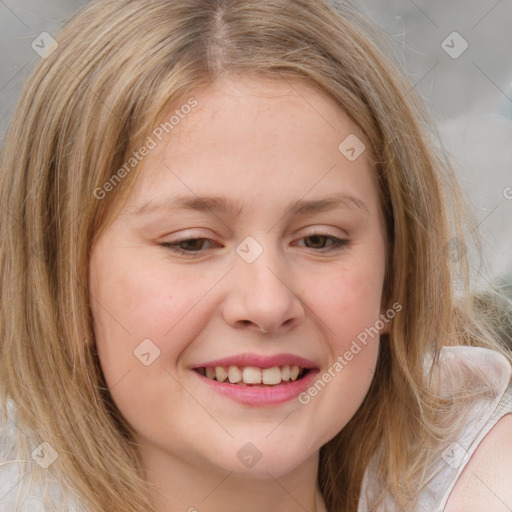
(261, 296)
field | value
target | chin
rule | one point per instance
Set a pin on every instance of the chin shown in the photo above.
(274, 462)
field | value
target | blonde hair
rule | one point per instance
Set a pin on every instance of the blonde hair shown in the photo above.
(119, 65)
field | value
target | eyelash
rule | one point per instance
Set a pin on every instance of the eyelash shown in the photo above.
(338, 244)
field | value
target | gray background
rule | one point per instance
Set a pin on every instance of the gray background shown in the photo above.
(470, 97)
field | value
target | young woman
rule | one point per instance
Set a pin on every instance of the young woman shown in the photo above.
(230, 257)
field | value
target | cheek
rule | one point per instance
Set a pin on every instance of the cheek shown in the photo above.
(139, 301)
(348, 302)
(348, 305)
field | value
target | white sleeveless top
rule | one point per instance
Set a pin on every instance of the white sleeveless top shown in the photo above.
(483, 415)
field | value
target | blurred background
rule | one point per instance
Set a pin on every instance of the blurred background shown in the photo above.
(457, 54)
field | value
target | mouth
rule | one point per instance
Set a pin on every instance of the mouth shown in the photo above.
(253, 376)
(258, 387)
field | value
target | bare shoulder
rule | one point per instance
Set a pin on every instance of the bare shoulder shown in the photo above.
(486, 482)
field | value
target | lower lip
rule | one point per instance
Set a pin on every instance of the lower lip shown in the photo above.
(259, 395)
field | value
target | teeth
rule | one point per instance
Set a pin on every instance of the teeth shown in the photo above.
(220, 374)
(253, 375)
(271, 375)
(234, 374)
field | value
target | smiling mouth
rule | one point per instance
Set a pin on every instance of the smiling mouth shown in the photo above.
(253, 376)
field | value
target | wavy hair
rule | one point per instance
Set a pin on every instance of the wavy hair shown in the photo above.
(119, 65)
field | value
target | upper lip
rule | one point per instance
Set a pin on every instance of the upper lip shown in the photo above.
(259, 361)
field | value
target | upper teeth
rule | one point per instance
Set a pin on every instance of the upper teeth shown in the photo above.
(253, 375)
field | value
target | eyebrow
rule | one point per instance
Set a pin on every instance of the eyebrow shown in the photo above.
(225, 206)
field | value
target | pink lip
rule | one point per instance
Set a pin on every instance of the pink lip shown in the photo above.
(259, 361)
(258, 395)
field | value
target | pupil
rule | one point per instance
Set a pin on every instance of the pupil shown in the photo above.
(316, 239)
(193, 244)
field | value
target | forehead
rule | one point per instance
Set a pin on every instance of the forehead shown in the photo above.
(242, 103)
(251, 138)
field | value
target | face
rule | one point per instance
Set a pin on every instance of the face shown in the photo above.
(282, 263)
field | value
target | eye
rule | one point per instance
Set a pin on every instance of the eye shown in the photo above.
(319, 239)
(191, 245)
(195, 246)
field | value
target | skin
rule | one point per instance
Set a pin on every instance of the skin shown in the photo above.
(484, 484)
(263, 144)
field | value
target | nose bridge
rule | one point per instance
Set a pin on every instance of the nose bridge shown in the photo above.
(261, 292)
(258, 267)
